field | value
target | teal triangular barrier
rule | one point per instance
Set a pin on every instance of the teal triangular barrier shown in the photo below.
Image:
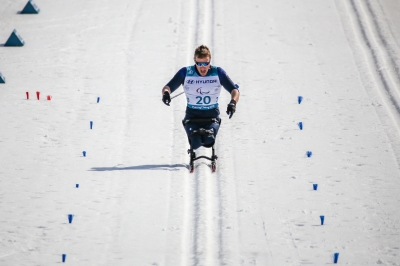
(30, 8)
(2, 78)
(14, 40)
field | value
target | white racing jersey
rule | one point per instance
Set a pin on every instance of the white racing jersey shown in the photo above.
(202, 93)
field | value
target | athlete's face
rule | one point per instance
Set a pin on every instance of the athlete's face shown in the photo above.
(203, 69)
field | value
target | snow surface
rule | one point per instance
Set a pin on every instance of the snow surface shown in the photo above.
(137, 203)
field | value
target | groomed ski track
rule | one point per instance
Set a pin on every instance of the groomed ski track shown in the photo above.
(137, 203)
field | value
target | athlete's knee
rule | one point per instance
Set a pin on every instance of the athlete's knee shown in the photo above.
(195, 141)
(209, 141)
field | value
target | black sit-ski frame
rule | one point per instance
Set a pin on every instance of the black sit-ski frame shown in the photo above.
(202, 131)
(193, 158)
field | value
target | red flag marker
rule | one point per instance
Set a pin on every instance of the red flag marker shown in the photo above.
(38, 95)
(48, 97)
(27, 95)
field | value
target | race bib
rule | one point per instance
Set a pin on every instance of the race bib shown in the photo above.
(202, 93)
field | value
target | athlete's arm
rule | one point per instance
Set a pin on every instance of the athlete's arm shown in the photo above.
(235, 95)
(175, 82)
(228, 84)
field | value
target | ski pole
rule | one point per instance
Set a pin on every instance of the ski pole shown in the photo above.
(177, 95)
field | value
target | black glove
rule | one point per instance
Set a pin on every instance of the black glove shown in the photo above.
(231, 108)
(166, 98)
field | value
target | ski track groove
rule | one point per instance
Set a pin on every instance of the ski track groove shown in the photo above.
(207, 201)
(190, 223)
(394, 68)
(178, 184)
(213, 200)
(217, 176)
(385, 61)
(369, 48)
(188, 245)
(201, 244)
(375, 61)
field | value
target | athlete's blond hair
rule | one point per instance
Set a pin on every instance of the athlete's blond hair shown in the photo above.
(202, 52)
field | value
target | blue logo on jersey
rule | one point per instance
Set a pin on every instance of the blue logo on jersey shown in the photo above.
(202, 92)
(206, 81)
(190, 81)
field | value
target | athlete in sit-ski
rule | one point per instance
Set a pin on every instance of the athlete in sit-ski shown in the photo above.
(202, 84)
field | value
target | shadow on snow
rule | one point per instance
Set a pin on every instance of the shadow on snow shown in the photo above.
(170, 167)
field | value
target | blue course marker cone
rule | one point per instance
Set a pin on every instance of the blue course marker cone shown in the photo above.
(2, 78)
(98, 99)
(77, 185)
(335, 257)
(64, 256)
(315, 186)
(299, 99)
(14, 40)
(84, 153)
(322, 219)
(91, 124)
(70, 217)
(30, 8)
(300, 124)
(309, 153)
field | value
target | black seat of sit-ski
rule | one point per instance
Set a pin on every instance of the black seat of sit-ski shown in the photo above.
(201, 121)
(202, 131)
